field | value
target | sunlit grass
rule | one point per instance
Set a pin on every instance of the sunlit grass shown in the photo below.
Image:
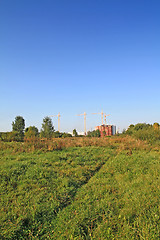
(106, 191)
(121, 201)
(35, 187)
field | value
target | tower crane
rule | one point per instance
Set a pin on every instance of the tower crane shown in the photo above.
(84, 121)
(58, 115)
(101, 115)
(105, 115)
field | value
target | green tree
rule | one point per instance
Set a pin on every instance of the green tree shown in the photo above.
(47, 128)
(104, 133)
(65, 135)
(140, 126)
(97, 133)
(123, 131)
(75, 134)
(156, 125)
(31, 131)
(57, 134)
(94, 133)
(130, 129)
(18, 126)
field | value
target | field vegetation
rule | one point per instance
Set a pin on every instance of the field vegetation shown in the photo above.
(80, 188)
(145, 132)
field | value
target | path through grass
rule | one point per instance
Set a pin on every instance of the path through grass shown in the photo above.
(80, 193)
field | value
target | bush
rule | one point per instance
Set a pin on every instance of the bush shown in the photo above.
(10, 136)
(145, 132)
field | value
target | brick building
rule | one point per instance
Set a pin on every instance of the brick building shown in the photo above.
(106, 130)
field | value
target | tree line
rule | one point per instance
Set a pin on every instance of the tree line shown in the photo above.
(19, 133)
(144, 131)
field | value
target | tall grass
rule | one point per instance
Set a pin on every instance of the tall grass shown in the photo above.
(44, 145)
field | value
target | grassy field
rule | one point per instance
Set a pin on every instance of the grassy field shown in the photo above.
(89, 192)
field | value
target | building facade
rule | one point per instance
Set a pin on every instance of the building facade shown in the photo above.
(106, 130)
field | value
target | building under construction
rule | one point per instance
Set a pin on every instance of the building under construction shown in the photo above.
(106, 130)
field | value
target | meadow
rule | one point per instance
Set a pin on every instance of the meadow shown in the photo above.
(80, 188)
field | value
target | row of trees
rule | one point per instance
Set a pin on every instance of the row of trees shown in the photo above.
(19, 132)
(141, 131)
(144, 131)
(141, 126)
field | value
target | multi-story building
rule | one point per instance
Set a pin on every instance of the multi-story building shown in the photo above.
(106, 130)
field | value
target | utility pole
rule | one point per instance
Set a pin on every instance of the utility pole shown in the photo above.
(84, 121)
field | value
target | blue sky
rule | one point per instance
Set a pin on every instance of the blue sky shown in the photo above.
(75, 56)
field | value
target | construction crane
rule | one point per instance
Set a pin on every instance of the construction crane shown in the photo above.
(101, 115)
(58, 115)
(84, 121)
(105, 115)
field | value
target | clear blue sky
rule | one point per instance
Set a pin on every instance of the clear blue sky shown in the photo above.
(72, 56)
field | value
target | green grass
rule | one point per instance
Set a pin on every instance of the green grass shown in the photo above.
(80, 193)
(121, 201)
(35, 187)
